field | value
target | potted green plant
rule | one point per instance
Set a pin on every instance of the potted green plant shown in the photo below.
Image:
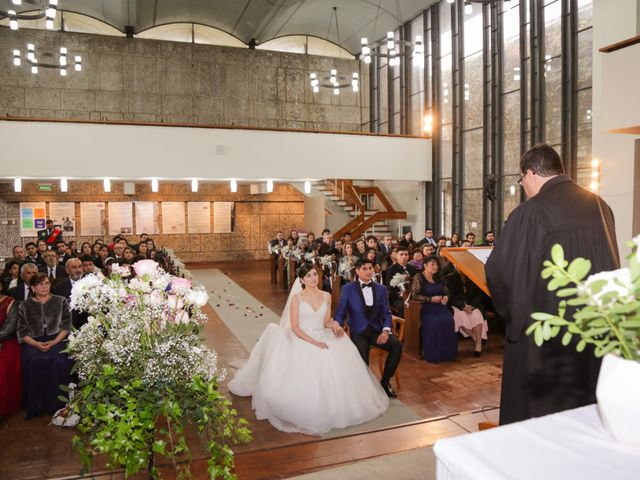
(606, 315)
(145, 376)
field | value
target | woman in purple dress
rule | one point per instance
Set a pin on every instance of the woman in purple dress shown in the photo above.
(439, 342)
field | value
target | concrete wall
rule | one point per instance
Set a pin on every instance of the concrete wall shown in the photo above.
(160, 81)
(258, 217)
(613, 22)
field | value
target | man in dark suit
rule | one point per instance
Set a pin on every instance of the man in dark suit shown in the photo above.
(52, 267)
(32, 254)
(22, 291)
(365, 304)
(50, 234)
(279, 241)
(428, 238)
(489, 238)
(396, 299)
(19, 256)
(64, 286)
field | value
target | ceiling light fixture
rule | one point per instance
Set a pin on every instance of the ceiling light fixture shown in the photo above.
(233, 185)
(307, 186)
(62, 65)
(106, 185)
(64, 186)
(17, 185)
(47, 10)
(194, 185)
(269, 186)
(154, 185)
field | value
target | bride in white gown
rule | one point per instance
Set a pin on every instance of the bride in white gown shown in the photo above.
(305, 375)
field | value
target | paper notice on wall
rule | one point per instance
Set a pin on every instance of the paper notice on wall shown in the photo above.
(63, 215)
(224, 218)
(173, 218)
(93, 218)
(481, 254)
(147, 217)
(199, 215)
(33, 217)
(120, 218)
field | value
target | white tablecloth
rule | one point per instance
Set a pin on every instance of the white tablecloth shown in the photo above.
(568, 445)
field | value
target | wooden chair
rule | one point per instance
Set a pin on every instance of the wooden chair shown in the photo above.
(412, 329)
(292, 271)
(273, 263)
(282, 274)
(398, 328)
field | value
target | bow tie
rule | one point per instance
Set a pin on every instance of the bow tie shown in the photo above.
(366, 285)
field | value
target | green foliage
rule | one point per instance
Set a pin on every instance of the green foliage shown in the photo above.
(607, 307)
(130, 423)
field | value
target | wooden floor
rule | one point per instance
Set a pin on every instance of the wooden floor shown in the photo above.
(34, 450)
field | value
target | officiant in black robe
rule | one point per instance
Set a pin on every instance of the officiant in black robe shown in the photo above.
(542, 380)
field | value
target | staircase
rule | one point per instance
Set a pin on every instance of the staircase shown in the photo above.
(348, 196)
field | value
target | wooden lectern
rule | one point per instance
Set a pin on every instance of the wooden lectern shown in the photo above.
(469, 264)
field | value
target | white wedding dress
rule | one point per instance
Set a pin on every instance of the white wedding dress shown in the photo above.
(299, 387)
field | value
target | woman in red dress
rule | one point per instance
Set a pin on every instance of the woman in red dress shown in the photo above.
(10, 372)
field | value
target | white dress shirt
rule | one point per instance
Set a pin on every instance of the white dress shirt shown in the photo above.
(367, 293)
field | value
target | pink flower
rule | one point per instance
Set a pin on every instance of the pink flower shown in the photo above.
(178, 283)
(145, 267)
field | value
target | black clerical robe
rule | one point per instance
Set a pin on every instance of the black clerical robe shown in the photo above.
(542, 380)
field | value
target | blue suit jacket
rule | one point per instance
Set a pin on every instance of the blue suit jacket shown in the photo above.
(352, 305)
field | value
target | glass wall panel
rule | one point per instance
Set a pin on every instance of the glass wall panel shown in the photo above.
(585, 14)
(445, 28)
(512, 133)
(473, 92)
(416, 64)
(585, 58)
(553, 29)
(446, 164)
(473, 31)
(553, 102)
(446, 90)
(472, 177)
(511, 38)
(584, 136)
(383, 93)
(472, 214)
(511, 194)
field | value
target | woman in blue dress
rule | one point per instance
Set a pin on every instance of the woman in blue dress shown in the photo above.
(439, 342)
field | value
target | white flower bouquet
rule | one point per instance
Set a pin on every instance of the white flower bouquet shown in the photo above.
(399, 281)
(141, 348)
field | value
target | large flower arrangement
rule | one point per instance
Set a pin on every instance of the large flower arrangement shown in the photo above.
(606, 305)
(144, 373)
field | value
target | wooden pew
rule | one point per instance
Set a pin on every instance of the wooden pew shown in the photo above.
(282, 273)
(273, 264)
(293, 264)
(412, 329)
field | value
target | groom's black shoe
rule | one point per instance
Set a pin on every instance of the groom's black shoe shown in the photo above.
(388, 390)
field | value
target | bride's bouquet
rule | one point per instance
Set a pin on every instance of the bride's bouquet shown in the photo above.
(139, 359)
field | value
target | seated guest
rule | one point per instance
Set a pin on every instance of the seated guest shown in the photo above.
(489, 238)
(143, 239)
(455, 240)
(386, 245)
(361, 248)
(396, 297)
(468, 311)
(10, 374)
(142, 250)
(427, 250)
(338, 246)
(416, 260)
(42, 247)
(86, 249)
(471, 238)
(74, 268)
(118, 250)
(44, 321)
(87, 265)
(391, 259)
(18, 255)
(151, 245)
(72, 248)
(441, 242)
(52, 267)
(346, 238)
(22, 290)
(347, 263)
(372, 244)
(428, 238)
(370, 256)
(95, 249)
(13, 276)
(296, 238)
(164, 262)
(152, 253)
(277, 242)
(108, 266)
(439, 342)
(50, 234)
(103, 254)
(127, 255)
(327, 247)
(310, 243)
(61, 250)
(466, 244)
(408, 241)
(33, 256)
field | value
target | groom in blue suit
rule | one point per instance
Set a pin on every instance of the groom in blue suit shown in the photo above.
(366, 305)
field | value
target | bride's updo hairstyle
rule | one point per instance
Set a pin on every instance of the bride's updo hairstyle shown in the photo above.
(303, 270)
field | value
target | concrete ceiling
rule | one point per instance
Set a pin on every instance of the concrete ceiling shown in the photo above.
(261, 20)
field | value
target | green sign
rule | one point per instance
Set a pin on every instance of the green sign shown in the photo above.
(45, 187)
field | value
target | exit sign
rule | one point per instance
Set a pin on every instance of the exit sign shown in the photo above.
(44, 187)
